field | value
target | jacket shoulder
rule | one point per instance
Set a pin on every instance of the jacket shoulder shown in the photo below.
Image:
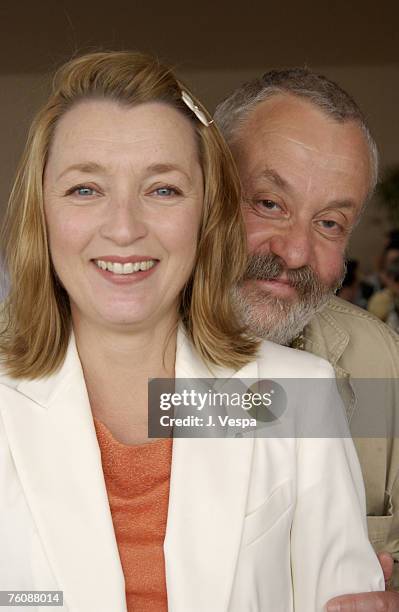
(353, 319)
(6, 379)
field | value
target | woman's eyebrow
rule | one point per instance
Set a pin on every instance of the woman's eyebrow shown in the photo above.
(87, 167)
(90, 167)
(164, 168)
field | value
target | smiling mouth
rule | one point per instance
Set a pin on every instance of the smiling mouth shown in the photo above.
(122, 269)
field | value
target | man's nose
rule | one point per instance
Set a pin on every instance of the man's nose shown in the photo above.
(124, 223)
(294, 247)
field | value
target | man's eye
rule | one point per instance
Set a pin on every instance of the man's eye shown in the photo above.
(332, 228)
(329, 224)
(265, 206)
(269, 205)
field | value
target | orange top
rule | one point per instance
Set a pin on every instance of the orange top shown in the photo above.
(137, 480)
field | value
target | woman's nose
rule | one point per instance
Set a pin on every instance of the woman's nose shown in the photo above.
(124, 224)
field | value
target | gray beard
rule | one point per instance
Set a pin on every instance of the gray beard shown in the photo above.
(276, 319)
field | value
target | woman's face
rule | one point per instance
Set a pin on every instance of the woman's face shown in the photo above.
(123, 192)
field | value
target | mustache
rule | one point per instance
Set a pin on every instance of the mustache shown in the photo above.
(269, 267)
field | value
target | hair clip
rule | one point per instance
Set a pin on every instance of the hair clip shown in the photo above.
(195, 109)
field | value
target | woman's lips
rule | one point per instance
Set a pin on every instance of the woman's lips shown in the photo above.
(125, 259)
(125, 270)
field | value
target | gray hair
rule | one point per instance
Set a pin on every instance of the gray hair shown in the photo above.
(231, 114)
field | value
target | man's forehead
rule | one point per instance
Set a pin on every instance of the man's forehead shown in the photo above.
(287, 128)
(270, 153)
(298, 121)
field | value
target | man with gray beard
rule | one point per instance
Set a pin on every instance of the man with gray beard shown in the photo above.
(308, 164)
(258, 307)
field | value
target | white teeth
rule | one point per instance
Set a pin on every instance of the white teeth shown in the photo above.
(126, 268)
(117, 268)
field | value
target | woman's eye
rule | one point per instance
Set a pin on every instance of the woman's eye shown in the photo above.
(166, 191)
(82, 190)
(85, 191)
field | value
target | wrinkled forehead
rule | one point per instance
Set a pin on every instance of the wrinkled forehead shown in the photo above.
(290, 134)
(107, 131)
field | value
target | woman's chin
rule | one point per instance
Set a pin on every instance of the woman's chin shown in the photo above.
(124, 317)
(126, 320)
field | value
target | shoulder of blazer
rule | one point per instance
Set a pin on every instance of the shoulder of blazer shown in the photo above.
(285, 362)
(6, 379)
(43, 390)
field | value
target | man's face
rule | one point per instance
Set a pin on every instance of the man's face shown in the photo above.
(305, 178)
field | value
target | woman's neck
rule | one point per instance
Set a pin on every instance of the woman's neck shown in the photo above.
(117, 366)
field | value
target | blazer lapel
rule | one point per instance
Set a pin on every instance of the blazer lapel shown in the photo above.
(54, 446)
(207, 503)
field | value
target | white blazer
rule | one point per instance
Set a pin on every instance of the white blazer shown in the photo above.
(244, 514)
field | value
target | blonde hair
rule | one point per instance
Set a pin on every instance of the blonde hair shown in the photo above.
(37, 313)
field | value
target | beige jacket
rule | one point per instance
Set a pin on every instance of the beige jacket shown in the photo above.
(359, 345)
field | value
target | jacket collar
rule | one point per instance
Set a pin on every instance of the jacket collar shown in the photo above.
(208, 493)
(188, 364)
(52, 438)
(44, 391)
(325, 337)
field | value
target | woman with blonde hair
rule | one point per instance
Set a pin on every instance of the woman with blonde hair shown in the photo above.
(123, 241)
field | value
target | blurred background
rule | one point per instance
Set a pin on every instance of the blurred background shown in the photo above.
(215, 47)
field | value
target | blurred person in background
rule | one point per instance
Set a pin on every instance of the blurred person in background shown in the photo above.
(353, 289)
(385, 303)
(391, 252)
(376, 280)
